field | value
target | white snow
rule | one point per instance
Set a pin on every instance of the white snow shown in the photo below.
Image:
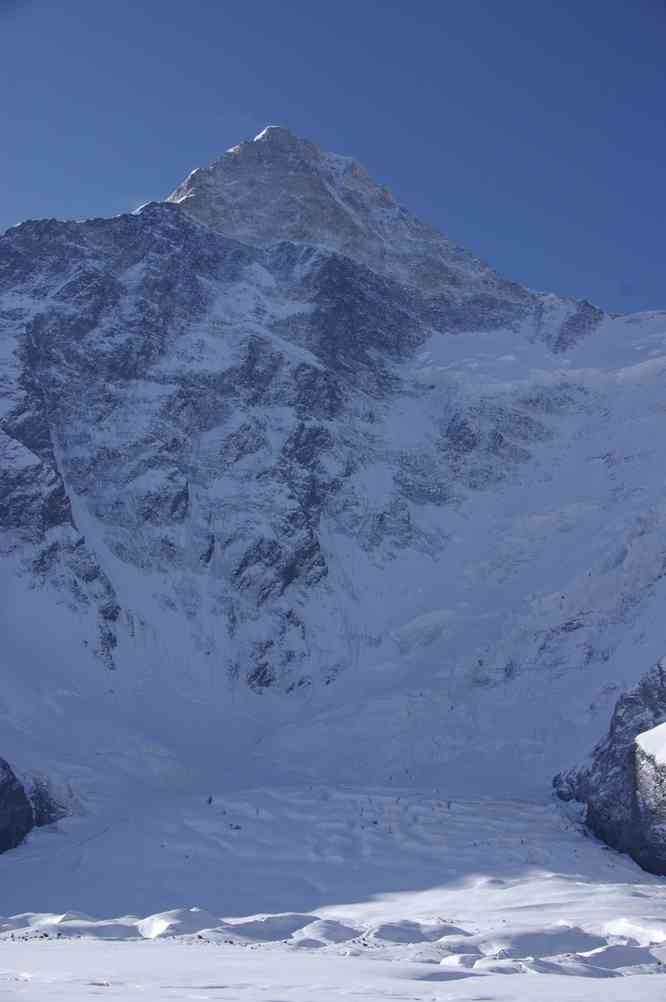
(329, 892)
(653, 743)
(264, 132)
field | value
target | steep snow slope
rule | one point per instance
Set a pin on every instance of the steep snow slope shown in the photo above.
(504, 654)
(277, 504)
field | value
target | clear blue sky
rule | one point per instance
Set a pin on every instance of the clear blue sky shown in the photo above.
(531, 131)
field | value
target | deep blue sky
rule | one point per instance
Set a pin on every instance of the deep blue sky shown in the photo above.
(531, 131)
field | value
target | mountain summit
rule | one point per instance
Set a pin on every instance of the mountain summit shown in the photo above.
(295, 191)
(280, 187)
(290, 482)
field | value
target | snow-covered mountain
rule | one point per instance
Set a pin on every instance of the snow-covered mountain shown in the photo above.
(291, 486)
(278, 187)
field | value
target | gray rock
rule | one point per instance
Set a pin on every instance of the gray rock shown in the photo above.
(623, 788)
(16, 814)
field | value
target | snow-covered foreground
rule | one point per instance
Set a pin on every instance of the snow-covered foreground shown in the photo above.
(317, 893)
(156, 972)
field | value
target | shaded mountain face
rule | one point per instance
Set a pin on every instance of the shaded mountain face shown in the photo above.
(286, 478)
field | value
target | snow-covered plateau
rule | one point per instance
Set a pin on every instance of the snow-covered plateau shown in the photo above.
(323, 548)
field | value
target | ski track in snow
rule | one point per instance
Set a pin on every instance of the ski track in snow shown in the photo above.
(328, 892)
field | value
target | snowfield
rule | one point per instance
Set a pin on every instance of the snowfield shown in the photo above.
(328, 892)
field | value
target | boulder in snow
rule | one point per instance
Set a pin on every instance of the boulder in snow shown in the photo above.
(624, 783)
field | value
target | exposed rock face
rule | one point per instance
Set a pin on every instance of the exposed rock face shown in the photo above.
(156, 363)
(16, 815)
(624, 785)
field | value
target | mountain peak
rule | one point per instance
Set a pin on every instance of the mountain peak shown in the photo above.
(278, 135)
(279, 186)
(275, 141)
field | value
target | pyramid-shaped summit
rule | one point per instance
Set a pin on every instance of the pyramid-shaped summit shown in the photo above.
(280, 187)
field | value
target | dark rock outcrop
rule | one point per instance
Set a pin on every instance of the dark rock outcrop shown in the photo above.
(16, 815)
(624, 787)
